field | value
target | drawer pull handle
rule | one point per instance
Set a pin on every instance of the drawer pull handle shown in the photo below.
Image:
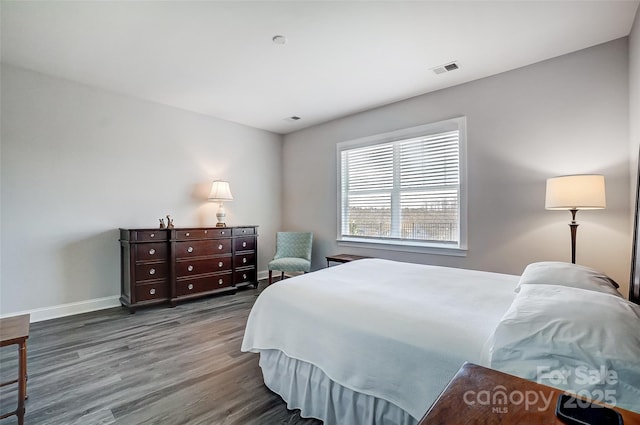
(220, 264)
(244, 244)
(244, 231)
(187, 234)
(153, 235)
(244, 275)
(190, 268)
(152, 291)
(190, 249)
(190, 287)
(152, 271)
(206, 231)
(244, 261)
(220, 246)
(152, 251)
(219, 281)
(222, 233)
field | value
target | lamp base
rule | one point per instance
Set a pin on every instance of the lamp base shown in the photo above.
(574, 229)
(220, 215)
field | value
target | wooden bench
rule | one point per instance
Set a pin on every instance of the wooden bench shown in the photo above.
(15, 330)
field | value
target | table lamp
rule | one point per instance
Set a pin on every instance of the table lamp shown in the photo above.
(220, 192)
(573, 193)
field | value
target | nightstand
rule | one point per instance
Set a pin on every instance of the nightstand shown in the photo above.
(344, 258)
(464, 401)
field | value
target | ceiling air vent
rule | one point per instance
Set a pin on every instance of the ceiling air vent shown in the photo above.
(445, 68)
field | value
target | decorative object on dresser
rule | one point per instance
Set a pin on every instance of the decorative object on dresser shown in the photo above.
(220, 192)
(172, 265)
(573, 193)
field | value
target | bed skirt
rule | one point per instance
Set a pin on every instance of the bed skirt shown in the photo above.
(305, 387)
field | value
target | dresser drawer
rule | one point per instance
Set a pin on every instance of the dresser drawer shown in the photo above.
(188, 234)
(151, 235)
(244, 260)
(206, 265)
(245, 244)
(203, 284)
(151, 271)
(151, 251)
(152, 291)
(244, 276)
(238, 231)
(188, 249)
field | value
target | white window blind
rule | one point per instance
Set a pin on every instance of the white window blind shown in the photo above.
(407, 189)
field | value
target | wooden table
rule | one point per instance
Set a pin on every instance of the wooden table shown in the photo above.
(344, 258)
(15, 330)
(463, 401)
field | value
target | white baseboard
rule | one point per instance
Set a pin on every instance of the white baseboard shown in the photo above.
(53, 312)
(62, 310)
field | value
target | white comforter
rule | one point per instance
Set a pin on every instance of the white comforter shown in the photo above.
(392, 330)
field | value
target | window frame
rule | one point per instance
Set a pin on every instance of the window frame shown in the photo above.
(406, 245)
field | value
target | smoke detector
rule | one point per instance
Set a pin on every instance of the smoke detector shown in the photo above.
(445, 68)
(279, 39)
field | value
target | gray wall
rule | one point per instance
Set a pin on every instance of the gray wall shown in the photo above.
(74, 160)
(79, 162)
(567, 115)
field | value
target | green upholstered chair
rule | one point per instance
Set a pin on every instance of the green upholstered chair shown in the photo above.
(293, 253)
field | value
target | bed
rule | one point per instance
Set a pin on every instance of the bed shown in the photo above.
(375, 341)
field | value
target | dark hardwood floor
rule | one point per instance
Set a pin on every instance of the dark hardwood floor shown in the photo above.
(161, 365)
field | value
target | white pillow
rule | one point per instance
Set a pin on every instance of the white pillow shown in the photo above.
(557, 335)
(567, 274)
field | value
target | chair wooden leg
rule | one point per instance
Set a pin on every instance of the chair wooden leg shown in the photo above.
(282, 276)
(270, 277)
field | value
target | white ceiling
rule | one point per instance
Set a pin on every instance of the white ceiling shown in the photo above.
(218, 58)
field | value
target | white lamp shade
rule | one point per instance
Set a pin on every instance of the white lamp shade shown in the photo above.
(580, 192)
(220, 191)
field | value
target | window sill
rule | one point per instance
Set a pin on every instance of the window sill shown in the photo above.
(402, 246)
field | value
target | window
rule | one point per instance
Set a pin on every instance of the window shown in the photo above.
(405, 188)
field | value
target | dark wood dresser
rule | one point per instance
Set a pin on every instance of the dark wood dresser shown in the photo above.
(170, 265)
